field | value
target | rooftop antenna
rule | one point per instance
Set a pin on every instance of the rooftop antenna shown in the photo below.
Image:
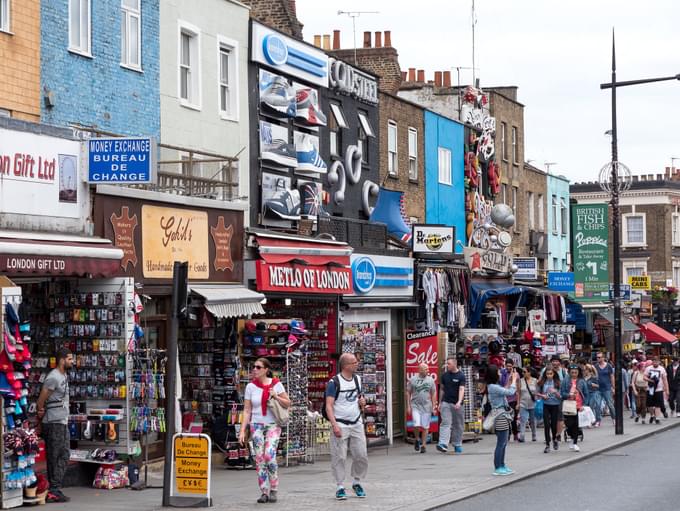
(549, 164)
(458, 68)
(354, 15)
(474, 22)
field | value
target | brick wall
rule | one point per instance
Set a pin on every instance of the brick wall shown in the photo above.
(534, 181)
(98, 91)
(278, 14)
(383, 62)
(406, 115)
(20, 61)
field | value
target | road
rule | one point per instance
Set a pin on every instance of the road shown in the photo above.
(640, 476)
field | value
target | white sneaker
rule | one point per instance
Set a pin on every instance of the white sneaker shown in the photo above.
(575, 448)
(677, 414)
(572, 446)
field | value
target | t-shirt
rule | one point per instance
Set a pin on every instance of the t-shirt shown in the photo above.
(57, 405)
(604, 377)
(554, 397)
(346, 406)
(525, 400)
(452, 383)
(254, 395)
(656, 373)
(422, 390)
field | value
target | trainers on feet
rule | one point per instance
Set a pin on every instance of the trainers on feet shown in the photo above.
(417, 445)
(422, 449)
(458, 449)
(442, 448)
(555, 445)
(575, 448)
(272, 496)
(264, 498)
(500, 472)
(56, 496)
(508, 470)
(359, 491)
(657, 421)
(637, 419)
(547, 449)
(341, 494)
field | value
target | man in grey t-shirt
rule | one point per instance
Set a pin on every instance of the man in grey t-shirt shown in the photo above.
(421, 403)
(53, 409)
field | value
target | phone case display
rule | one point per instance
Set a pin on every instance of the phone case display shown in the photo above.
(196, 346)
(367, 342)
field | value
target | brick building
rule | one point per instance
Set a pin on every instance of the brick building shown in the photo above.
(650, 225)
(533, 231)
(278, 14)
(20, 60)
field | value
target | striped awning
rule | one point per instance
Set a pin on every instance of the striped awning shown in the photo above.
(230, 301)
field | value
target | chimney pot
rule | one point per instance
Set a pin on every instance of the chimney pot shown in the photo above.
(367, 39)
(421, 76)
(317, 41)
(659, 177)
(388, 38)
(447, 78)
(293, 7)
(411, 74)
(326, 42)
(403, 76)
(378, 39)
(650, 177)
(438, 78)
(336, 39)
(635, 179)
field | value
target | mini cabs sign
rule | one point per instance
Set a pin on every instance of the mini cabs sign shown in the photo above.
(640, 282)
(191, 464)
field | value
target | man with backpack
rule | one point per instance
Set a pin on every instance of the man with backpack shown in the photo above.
(344, 404)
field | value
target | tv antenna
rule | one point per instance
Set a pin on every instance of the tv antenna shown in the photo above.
(549, 164)
(354, 15)
(474, 22)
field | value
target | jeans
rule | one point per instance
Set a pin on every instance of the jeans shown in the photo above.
(453, 424)
(524, 416)
(550, 416)
(631, 399)
(607, 399)
(501, 443)
(595, 403)
(57, 445)
(674, 399)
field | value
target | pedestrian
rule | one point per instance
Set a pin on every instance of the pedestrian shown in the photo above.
(605, 376)
(673, 373)
(264, 432)
(344, 405)
(593, 386)
(658, 389)
(53, 408)
(640, 387)
(498, 398)
(574, 388)
(629, 388)
(421, 391)
(528, 391)
(506, 374)
(549, 391)
(451, 399)
(561, 372)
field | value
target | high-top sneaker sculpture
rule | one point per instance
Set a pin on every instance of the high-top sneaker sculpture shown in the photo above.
(312, 204)
(390, 210)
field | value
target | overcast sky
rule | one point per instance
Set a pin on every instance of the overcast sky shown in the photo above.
(557, 53)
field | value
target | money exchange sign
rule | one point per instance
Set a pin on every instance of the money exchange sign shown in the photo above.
(590, 245)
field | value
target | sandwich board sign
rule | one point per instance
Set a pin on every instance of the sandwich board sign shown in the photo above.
(191, 464)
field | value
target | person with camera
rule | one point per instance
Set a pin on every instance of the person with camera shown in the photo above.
(344, 405)
(498, 399)
(264, 431)
(513, 401)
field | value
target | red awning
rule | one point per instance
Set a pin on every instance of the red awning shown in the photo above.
(655, 334)
(33, 253)
(283, 250)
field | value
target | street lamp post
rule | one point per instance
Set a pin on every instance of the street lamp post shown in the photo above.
(613, 183)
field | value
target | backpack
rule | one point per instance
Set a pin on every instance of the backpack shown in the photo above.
(336, 380)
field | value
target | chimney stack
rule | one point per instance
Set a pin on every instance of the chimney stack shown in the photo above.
(668, 172)
(411, 74)
(367, 39)
(336, 39)
(438, 78)
(326, 42)
(403, 76)
(317, 41)
(388, 38)
(293, 7)
(659, 177)
(378, 39)
(421, 76)
(447, 78)
(635, 179)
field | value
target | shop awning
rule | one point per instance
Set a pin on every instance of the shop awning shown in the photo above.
(480, 292)
(34, 253)
(655, 334)
(627, 325)
(304, 251)
(230, 301)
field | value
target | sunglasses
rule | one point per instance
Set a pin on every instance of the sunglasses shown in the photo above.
(258, 367)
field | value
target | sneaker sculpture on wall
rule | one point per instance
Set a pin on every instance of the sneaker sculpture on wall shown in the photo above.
(283, 203)
(312, 203)
(279, 96)
(308, 157)
(274, 147)
(308, 107)
(390, 210)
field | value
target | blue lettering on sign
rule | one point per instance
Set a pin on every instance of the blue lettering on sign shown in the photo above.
(275, 50)
(363, 275)
(120, 160)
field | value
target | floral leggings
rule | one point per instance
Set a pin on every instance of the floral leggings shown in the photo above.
(265, 439)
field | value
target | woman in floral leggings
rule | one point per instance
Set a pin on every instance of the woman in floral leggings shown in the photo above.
(264, 431)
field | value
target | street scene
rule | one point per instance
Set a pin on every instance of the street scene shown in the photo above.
(308, 254)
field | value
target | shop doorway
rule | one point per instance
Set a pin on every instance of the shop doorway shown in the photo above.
(398, 412)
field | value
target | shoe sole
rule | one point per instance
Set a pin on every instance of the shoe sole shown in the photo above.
(340, 498)
(282, 109)
(286, 161)
(309, 167)
(281, 215)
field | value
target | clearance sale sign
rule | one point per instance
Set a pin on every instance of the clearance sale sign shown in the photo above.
(421, 347)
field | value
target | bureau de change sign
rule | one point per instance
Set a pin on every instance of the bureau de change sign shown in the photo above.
(121, 160)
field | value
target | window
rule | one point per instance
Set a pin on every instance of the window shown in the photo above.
(131, 34)
(5, 113)
(564, 265)
(189, 72)
(514, 145)
(530, 205)
(227, 82)
(362, 142)
(392, 148)
(633, 269)
(334, 133)
(555, 267)
(564, 216)
(79, 26)
(675, 227)
(555, 215)
(514, 203)
(634, 229)
(412, 154)
(541, 214)
(339, 116)
(676, 275)
(4, 15)
(363, 120)
(444, 166)
(504, 194)
(504, 146)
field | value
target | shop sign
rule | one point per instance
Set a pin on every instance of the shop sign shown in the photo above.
(221, 235)
(635, 301)
(124, 227)
(172, 234)
(646, 306)
(384, 276)
(40, 175)
(55, 265)
(561, 281)
(590, 245)
(303, 279)
(289, 55)
(432, 239)
(527, 268)
(121, 160)
(421, 348)
(349, 80)
(624, 291)
(191, 461)
(640, 282)
(487, 260)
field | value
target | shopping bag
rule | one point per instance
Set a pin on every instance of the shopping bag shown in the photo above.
(586, 417)
(538, 408)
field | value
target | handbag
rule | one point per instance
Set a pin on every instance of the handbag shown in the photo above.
(489, 423)
(281, 414)
(569, 407)
(530, 393)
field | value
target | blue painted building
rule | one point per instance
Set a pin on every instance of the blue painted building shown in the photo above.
(558, 222)
(444, 173)
(100, 65)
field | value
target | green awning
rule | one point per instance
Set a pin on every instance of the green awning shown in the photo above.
(627, 325)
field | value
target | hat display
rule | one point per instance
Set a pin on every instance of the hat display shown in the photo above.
(261, 326)
(297, 326)
(250, 326)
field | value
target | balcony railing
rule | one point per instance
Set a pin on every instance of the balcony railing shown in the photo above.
(363, 236)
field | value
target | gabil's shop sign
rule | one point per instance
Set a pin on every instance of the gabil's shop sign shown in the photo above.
(432, 239)
(303, 279)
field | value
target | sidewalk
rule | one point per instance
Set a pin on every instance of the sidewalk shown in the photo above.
(399, 479)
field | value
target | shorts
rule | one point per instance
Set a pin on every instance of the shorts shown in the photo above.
(655, 400)
(421, 418)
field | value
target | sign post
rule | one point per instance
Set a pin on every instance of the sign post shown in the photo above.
(590, 229)
(191, 460)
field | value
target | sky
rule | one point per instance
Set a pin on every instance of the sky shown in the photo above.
(557, 53)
